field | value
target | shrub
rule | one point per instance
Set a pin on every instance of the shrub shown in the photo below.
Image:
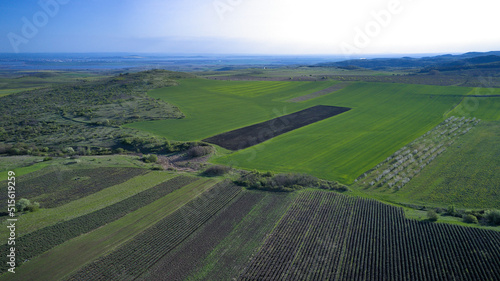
(150, 158)
(492, 217)
(22, 204)
(33, 207)
(216, 170)
(432, 215)
(25, 205)
(470, 218)
(198, 151)
(451, 210)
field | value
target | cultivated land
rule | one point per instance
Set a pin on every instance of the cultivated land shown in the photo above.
(467, 175)
(384, 117)
(255, 134)
(327, 236)
(119, 217)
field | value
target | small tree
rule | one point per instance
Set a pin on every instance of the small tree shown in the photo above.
(22, 204)
(451, 210)
(432, 215)
(493, 217)
(150, 158)
(33, 207)
(470, 218)
(216, 170)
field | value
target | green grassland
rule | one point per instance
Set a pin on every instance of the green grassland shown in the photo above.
(467, 175)
(484, 108)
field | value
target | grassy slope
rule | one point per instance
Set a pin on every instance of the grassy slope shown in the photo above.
(466, 175)
(72, 255)
(213, 107)
(106, 197)
(384, 118)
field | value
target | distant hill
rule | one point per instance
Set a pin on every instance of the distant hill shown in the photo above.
(442, 62)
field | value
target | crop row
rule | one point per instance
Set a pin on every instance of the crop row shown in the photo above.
(329, 236)
(399, 168)
(60, 187)
(131, 260)
(39, 241)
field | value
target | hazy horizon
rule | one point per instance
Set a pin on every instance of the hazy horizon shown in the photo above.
(242, 27)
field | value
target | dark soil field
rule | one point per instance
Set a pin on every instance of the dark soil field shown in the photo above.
(255, 134)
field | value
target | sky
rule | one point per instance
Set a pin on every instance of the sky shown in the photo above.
(353, 27)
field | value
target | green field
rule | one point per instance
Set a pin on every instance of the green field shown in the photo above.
(467, 175)
(384, 118)
(214, 107)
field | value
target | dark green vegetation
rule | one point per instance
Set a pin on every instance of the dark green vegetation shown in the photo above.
(86, 113)
(285, 182)
(327, 236)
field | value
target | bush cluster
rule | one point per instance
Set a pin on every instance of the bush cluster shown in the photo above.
(216, 170)
(285, 182)
(199, 151)
(24, 205)
(150, 158)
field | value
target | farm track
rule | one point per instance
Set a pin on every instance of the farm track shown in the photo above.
(134, 258)
(363, 239)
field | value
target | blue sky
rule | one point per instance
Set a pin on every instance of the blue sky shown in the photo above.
(249, 26)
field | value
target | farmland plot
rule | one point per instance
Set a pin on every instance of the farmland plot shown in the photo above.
(131, 260)
(59, 187)
(255, 134)
(328, 236)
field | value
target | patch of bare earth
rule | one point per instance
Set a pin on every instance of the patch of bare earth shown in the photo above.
(181, 162)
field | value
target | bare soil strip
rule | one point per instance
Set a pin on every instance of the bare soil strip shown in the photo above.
(323, 92)
(255, 134)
